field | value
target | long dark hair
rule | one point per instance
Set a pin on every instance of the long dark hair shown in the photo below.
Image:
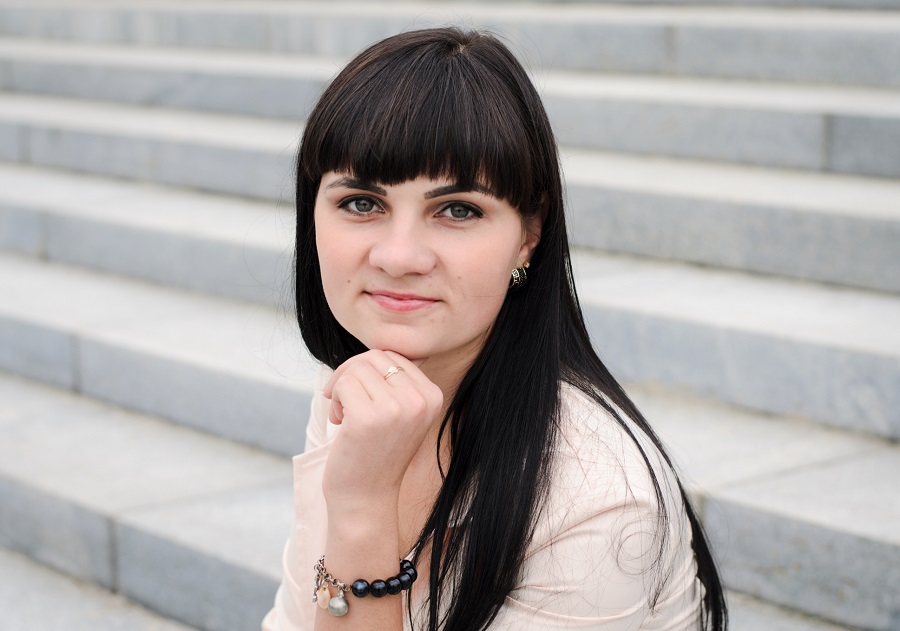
(447, 103)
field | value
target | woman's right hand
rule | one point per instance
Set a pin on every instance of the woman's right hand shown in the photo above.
(384, 422)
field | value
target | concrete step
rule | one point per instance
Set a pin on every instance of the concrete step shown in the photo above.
(777, 346)
(749, 614)
(225, 246)
(233, 370)
(186, 524)
(798, 515)
(828, 354)
(833, 229)
(823, 227)
(198, 528)
(801, 127)
(236, 155)
(35, 597)
(778, 44)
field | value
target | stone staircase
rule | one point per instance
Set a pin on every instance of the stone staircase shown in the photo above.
(734, 184)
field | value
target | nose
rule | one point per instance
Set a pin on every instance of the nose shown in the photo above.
(402, 247)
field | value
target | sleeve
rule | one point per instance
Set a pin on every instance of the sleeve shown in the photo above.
(317, 428)
(601, 557)
(290, 611)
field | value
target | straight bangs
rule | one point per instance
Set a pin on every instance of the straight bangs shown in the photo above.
(422, 109)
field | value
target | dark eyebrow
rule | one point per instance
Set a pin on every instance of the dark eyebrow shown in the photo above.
(456, 188)
(363, 185)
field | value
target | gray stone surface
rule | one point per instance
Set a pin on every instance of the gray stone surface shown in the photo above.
(21, 230)
(196, 510)
(837, 248)
(10, 143)
(777, 139)
(167, 557)
(54, 530)
(865, 145)
(758, 43)
(234, 155)
(784, 540)
(35, 597)
(243, 84)
(717, 446)
(788, 53)
(215, 244)
(776, 346)
(229, 369)
(229, 405)
(761, 124)
(36, 351)
(749, 614)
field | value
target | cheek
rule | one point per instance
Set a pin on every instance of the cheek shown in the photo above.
(333, 264)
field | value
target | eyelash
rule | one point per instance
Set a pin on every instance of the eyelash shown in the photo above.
(475, 212)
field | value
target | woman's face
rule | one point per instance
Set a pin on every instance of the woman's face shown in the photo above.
(420, 268)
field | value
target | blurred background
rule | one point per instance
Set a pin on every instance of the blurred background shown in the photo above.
(733, 171)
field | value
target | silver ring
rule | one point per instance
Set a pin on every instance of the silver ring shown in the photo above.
(393, 370)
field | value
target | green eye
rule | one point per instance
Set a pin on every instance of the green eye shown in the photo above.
(461, 212)
(363, 206)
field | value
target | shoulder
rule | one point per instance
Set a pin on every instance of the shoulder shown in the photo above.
(603, 549)
(602, 458)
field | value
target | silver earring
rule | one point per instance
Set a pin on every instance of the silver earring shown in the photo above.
(519, 276)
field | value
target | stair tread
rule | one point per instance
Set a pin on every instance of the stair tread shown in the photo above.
(815, 192)
(251, 341)
(142, 121)
(35, 597)
(552, 12)
(552, 82)
(817, 314)
(795, 469)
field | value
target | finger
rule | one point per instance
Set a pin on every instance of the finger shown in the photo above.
(410, 367)
(336, 413)
(347, 392)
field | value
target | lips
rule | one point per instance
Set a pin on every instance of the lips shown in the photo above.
(393, 301)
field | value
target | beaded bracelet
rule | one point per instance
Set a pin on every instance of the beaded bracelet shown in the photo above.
(338, 606)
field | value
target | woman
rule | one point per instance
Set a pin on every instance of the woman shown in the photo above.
(465, 424)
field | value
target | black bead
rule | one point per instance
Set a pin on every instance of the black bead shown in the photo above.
(360, 588)
(411, 572)
(378, 588)
(405, 564)
(405, 580)
(393, 585)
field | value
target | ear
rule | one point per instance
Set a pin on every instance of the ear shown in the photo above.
(531, 233)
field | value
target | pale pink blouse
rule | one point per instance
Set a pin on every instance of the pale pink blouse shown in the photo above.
(590, 564)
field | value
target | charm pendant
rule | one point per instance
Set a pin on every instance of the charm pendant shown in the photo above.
(338, 605)
(322, 596)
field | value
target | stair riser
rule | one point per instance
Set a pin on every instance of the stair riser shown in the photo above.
(828, 573)
(233, 93)
(188, 585)
(841, 249)
(834, 387)
(65, 536)
(240, 409)
(817, 141)
(253, 413)
(178, 582)
(647, 46)
(222, 169)
(228, 269)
